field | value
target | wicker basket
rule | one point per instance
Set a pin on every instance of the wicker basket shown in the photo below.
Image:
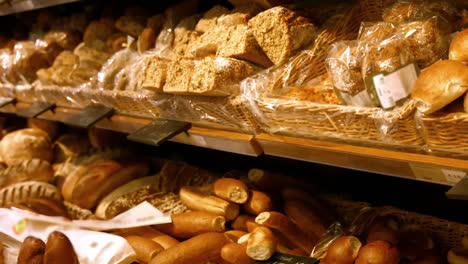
(446, 132)
(215, 112)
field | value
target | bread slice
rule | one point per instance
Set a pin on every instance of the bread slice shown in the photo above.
(219, 76)
(241, 44)
(153, 77)
(281, 32)
(179, 74)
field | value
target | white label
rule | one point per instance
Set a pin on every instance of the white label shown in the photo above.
(454, 175)
(395, 86)
(198, 140)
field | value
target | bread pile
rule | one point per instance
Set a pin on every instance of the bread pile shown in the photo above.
(412, 32)
(444, 82)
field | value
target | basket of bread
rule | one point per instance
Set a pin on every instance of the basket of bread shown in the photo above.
(355, 82)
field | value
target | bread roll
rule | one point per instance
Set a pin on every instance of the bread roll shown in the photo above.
(457, 256)
(257, 203)
(145, 248)
(18, 192)
(70, 145)
(240, 223)
(25, 144)
(261, 244)
(232, 190)
(196, 250)
(384, 228)
(162, 239)
(459, 47)
(196, 200)
(28, 170)
(378, 252)
(32, 251)
(343, 250)
(234, 235)
(286, 227)
(59, 250)
(281, 25)
(50, 127)
(235, 254)
(44, 206)
(189, 224)
(305, 218)
(439, 85)
(244, 239)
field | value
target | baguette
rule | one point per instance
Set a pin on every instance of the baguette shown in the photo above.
(305, 218)
(232, 190)
(261, 244)
(234, 235)
(235, 254)
(145, 248)
(286, 227)
(251, 225)
(59, 250)
(257, 203)
(162, 239)
(240, 223)
(243, 239)
(31, 251)
(189, 224)
(196, 250)
(196, 200)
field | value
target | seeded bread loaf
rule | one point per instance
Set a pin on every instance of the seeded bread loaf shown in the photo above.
(241, 44)
(209, 19)
(179, 73)
(153, 77)
(281, 32)
(239, 16)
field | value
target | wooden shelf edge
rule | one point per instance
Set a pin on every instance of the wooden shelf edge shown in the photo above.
(440, 170)
(28, 5)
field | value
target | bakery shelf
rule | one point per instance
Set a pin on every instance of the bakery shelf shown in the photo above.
(415, 166)
(27, 5)
(197, 136)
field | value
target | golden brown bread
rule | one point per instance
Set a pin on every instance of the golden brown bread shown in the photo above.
(457, 256)
(145, 248)
(2, 256)
(70, 145)
(190, 224)
(28, 170)
(240, 222)
(234, 235)
(439, 85)
(261, 244)
(305, 218)
(257, 203)
(459, 47)
(378, 252)
(32, 251)
(44, 206)
(59, 250)
(196, 250)
(235, 254)
(287, 228)
(146, 40)
(197, 200)
(25, 144)
(162, 239)
(50, 127)
(232, 190)
(344, 250)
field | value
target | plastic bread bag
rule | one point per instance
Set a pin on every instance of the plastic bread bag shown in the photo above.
(27, 59)
(425, 40)
(344, 65)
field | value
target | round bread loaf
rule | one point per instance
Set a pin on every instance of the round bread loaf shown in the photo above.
(459, 47)
(439, 85)
(25, 144)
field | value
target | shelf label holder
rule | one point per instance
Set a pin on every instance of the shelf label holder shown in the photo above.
(89, 116)
(35, 109)
(459, 191)
(159, 131)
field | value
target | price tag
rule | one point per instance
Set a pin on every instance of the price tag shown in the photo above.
(35, 109)
(280, 258)
(159, 131)
(5, 101)
(435, 174)
(459, 191)
(89, 116)
(454, 175)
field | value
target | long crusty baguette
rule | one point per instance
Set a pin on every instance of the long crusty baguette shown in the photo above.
(196, 250)
(162, 239)
(261, 244)
(59, 250)
(31, 251)
(189, 224)
(234, 235)
(240, 223)
(197, 200)
(234, 253)
(145, 248)
(231, 189)
(258, 202)
(283, 224)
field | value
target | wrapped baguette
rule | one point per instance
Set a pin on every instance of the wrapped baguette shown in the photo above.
(189, 224)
